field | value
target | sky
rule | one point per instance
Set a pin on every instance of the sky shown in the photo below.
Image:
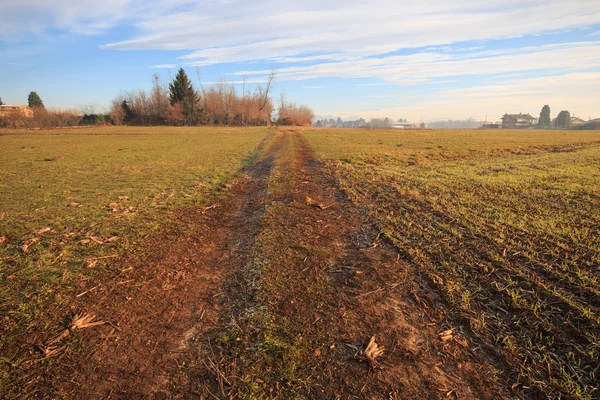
(421, 61)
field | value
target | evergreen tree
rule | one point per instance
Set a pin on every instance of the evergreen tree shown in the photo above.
(544, 122)
(182, 91)
(128, 114)
(1, 103)
(35, 101)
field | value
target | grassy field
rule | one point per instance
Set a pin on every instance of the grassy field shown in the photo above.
(71, 201)
(500, 227)
(504, 226)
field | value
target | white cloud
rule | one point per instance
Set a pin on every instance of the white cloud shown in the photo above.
(335, 38)
(85, 17)
(425, 67)
(577, 92)
(239, 31)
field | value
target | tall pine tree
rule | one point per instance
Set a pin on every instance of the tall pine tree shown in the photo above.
(35, 101)
(182, 91)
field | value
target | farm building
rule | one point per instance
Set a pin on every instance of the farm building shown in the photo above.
(23, 111)
(517, 121)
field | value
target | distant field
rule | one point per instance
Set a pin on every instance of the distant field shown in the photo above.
(505, 225)
(73, 200)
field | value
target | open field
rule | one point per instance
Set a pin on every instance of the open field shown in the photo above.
(504, 226)
(260, 263)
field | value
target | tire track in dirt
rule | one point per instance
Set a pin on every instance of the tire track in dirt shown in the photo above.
(166, 297)
(327, 284)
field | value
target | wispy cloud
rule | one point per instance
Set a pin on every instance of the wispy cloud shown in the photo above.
(84, 17)
(577, 92)
(321, 39)
(424, 67)
(311, 30)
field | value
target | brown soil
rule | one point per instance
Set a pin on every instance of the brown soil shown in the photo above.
(274, 293)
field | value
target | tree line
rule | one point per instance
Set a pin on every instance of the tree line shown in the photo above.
(33, 100)
(41, 117)
(373, 123)
(180, 103)
(177, 103)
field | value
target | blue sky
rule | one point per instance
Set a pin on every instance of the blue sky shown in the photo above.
(430, 59)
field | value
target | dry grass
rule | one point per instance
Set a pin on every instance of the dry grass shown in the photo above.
(373, 351)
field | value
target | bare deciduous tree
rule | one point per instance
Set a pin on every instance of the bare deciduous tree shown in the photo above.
(294, 114)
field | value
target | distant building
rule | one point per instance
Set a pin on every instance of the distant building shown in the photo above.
(517, 121)
(23, 111)
(593, 124)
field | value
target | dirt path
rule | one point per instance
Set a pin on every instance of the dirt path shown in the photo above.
(275, 293)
